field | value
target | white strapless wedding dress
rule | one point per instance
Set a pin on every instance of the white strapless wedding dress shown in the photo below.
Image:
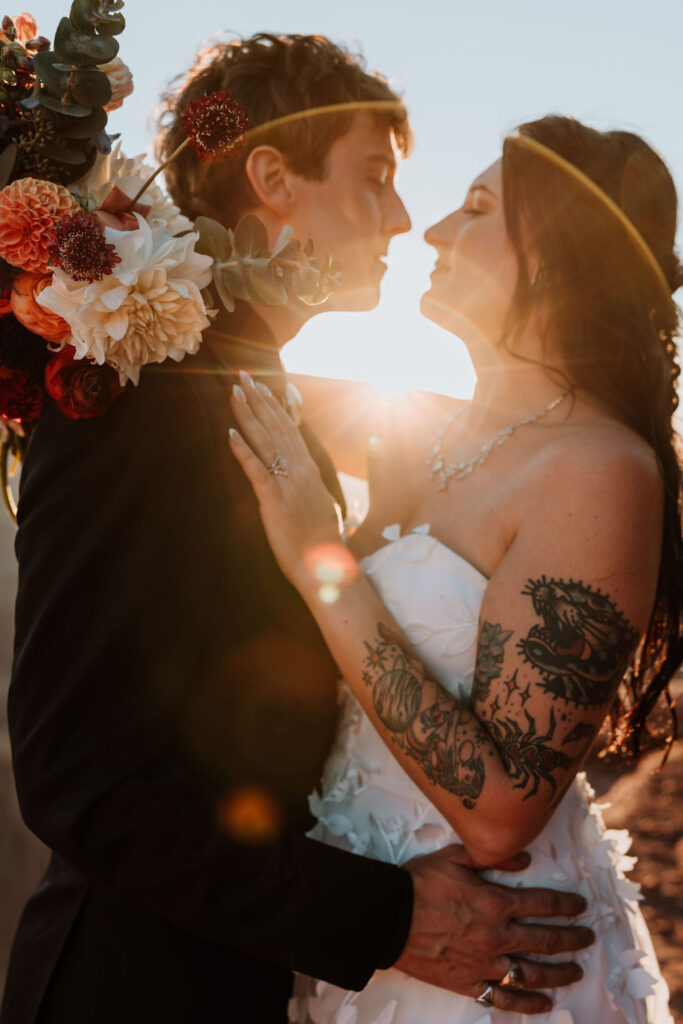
(367, 804)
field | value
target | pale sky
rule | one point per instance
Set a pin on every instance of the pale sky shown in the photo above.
(469, 73)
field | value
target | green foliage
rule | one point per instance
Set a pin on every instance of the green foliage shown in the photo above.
(70, 85)
(245, 268)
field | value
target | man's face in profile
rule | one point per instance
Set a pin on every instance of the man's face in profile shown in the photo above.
(355, 211)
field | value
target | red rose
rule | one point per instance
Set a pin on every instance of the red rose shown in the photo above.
(80, 388)
(22, 396)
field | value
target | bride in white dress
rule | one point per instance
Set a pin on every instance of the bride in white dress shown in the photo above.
(486, 638)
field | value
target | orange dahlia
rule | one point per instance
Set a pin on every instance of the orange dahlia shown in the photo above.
(37, 318)
(30, 209)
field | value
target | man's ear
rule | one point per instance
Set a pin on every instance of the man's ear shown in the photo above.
(270, 179)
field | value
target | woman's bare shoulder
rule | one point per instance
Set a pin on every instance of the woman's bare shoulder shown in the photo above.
(601, 467)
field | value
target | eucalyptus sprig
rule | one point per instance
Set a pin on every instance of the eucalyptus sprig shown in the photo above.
(245, 268)
(60, 123)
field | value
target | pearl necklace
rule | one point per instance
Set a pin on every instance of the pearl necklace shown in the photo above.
(437, 464)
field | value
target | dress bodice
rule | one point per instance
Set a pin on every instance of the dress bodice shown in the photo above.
(367, 804)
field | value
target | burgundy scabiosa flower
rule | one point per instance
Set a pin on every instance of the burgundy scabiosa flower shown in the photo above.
(216, 126)
(80, 249)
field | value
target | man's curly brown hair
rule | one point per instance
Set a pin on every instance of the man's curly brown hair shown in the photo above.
(270, 76)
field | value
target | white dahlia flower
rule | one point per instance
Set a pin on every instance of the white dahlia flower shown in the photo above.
(129, 174)
(148, 309)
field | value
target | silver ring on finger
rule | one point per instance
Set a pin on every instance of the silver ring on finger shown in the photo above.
(486, 998)
(514, 978)
(279, 466)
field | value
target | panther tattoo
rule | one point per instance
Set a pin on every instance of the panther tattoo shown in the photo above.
(584, 644)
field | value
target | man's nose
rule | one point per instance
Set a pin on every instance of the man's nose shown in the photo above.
(397, 221)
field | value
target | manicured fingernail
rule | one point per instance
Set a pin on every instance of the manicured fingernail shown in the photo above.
(262, 388)
(234, 434)
(239, 394)
(246, 379)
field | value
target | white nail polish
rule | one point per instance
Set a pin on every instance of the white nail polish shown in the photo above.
(246, 379)
(234, 434)
(239, 394)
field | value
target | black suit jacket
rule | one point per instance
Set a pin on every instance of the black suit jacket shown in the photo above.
(161, 660)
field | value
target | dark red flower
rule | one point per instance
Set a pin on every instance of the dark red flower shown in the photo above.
(22, 398)
(80, 388)
(79, 248)
(216, 126)
(23, 356)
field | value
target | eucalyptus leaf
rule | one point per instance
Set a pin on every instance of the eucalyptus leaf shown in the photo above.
(81, 49)
(251, 236)
(232, 280)
(112, 26)
(87, 127)
(83, 17)
(44, 65)
(260, 264)
(90, 87)
(31, 102)
(69, 109)
(7, 161)
(65, 154)
(266, 288)
(283, 240)
(214, 239)
(292, 251)
(224, 294)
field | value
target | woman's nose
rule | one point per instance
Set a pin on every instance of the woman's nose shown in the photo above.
(439, 233)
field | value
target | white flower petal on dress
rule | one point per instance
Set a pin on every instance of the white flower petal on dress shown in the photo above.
(388, 1013)
(431, 835)
(337, 824)
(639, 983)
(459, 639)
(346, 1015)
(392, 532)
(417, 632)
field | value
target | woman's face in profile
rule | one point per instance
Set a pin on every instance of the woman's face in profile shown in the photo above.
(475, 275)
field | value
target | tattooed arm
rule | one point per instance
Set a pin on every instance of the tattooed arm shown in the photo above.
(560, 619)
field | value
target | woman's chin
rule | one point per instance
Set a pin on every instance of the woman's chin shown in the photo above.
(455, 321)
(436, 310)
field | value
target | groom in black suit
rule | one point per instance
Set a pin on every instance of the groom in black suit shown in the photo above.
(163, 665)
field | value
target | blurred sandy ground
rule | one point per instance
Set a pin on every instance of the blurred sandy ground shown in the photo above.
(650, 805)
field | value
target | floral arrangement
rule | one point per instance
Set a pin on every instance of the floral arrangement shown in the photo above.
(100, 273)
